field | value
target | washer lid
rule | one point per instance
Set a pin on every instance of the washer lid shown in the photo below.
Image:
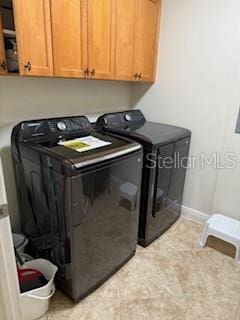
(71, 159)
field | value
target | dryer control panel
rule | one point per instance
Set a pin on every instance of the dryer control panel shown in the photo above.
(48, 129)
(120, 119)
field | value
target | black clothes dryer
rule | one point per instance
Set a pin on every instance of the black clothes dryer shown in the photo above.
(166, 149)
(74, 206)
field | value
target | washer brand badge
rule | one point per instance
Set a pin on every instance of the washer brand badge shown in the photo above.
(37, 134)
(36, 124)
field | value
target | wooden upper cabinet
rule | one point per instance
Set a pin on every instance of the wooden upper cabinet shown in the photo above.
(33, 27)
(69, 32)
(147, 38)
(96, 39)
(3, 63)
(125, 39)
(101, 38)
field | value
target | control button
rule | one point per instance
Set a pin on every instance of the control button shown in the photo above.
(61, 126)
(128, 117)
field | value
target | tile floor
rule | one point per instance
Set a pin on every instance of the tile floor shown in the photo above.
(174, 278)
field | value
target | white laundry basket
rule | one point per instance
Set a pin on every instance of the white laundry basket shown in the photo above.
(35, 303)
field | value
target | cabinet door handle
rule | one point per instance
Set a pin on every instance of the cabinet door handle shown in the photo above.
(135, 75)
(140, 76)
(86, 72)
(4, 65)
(93, 72)
(28, 66)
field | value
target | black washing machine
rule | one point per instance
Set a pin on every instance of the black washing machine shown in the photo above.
(166, 150)
(78, 209)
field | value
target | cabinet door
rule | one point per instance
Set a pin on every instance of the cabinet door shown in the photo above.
(101, 38)
(69, 32)
(147, 38)
(3, 64)
(125, 39)
(33, 27)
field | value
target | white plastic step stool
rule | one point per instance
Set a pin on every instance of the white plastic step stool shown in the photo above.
(224, 228)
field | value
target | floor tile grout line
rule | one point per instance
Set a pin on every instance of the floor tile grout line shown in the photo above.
(177, 297)
(132, 300)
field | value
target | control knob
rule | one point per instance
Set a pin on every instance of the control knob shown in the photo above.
(128, 117)
(61, 126)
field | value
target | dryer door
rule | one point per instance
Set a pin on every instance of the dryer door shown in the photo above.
(169, 183)
(163, 215)
(176, 187)
(163, 178)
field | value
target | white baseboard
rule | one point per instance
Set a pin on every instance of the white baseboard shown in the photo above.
(194, 215)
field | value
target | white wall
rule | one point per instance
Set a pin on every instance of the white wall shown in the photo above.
(32, 98)
(198, 88)
(227, 192)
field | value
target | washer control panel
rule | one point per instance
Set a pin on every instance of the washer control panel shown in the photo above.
(50, 128)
